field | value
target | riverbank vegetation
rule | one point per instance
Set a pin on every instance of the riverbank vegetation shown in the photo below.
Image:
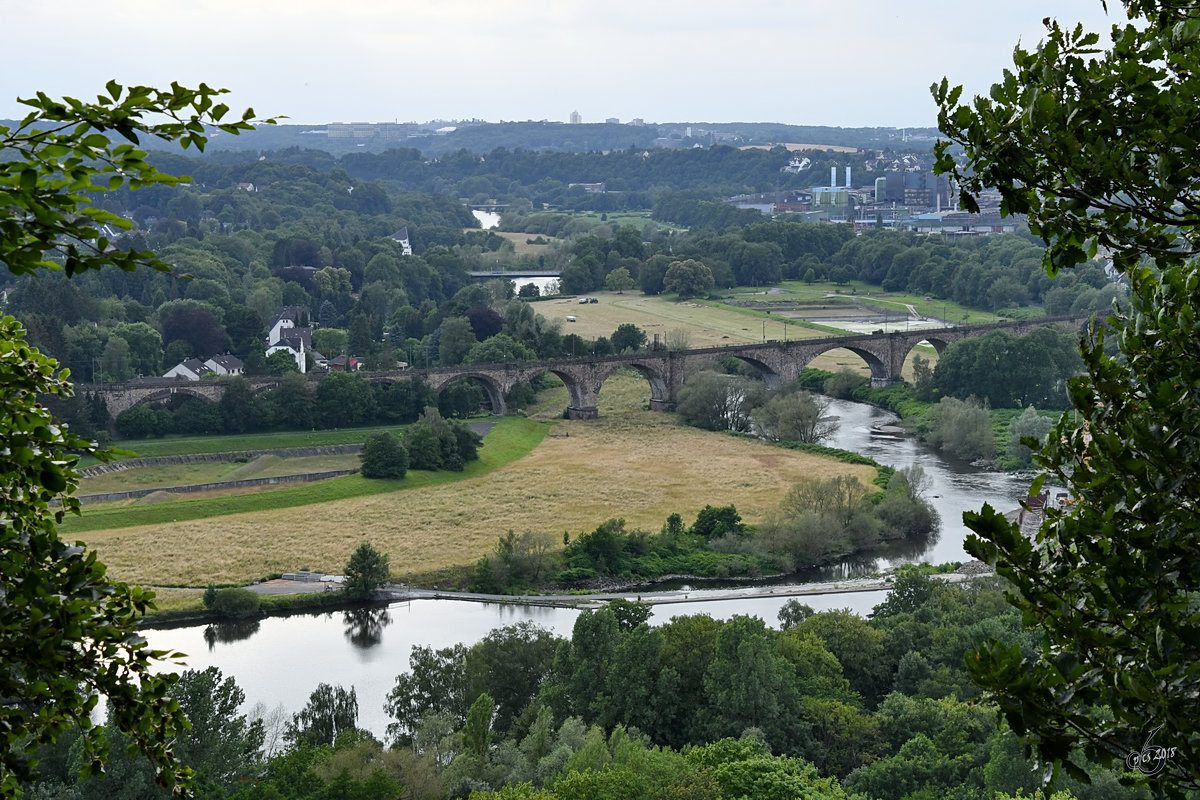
(981, 399)
(819, 521)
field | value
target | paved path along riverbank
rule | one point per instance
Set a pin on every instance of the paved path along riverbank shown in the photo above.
(400, 593)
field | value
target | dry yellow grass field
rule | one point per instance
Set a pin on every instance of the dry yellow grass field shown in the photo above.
(521, 243)
(707, 326)
(630, 463)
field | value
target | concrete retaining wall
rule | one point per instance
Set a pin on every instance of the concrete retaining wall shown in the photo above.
(208, 487)
(200, 458)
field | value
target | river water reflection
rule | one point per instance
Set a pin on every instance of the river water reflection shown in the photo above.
(955, 487)
(281, 660)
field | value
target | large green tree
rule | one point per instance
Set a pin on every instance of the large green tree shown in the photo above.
(687, 278)
(67, 632)
(383, 456)
(366, 571)
(1098, 146)
(330, 712)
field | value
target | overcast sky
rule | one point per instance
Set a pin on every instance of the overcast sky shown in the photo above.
(807, 62)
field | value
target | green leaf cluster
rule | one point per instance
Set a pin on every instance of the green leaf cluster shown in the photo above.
(67, 632)
(1097, 144)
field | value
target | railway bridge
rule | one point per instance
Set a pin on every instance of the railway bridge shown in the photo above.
(664, 370)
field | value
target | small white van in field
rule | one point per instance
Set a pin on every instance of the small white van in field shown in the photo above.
(570, 318)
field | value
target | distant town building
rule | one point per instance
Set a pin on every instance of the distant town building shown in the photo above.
(225, 365)
(612, 121)
(290, 332)
(193, 369)
(401, 236)
(960, 224)
(590, 188)
(921, 188)
(575, 118)
(798, 164)
(352, 130)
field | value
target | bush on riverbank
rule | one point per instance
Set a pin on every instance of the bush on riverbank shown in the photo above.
(713, 547)
(232, 603)
(195, 611)
(822, 521)
(963, 428)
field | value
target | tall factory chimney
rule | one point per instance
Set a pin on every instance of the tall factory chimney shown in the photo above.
(847, 177)
(833, 176)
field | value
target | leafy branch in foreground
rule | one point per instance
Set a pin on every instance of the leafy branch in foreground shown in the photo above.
(1099, 148)
(63, 151)
(67, 632)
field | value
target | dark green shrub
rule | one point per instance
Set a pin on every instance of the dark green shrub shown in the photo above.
(236, 603)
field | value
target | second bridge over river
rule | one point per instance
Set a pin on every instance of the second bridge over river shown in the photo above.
(665, 370)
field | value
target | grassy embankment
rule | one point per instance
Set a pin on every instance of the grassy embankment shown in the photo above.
(512, 438)
(246, 442)
(264, 466)
(630, 463)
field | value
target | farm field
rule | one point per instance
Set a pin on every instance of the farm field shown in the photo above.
(630, 463)
(710, 324)
(824, 298)
(707, 325)
(511, 438)
(177, 445)
(521, 244)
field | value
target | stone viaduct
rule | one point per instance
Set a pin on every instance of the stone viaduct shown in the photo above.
(664, 370)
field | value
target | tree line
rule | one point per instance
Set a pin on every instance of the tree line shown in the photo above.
(338, 400)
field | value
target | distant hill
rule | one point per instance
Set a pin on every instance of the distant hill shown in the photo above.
(437, 139)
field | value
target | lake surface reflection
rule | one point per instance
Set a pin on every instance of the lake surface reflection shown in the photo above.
(282, 659)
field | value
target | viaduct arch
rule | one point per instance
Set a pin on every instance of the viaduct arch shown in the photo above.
(664, 370)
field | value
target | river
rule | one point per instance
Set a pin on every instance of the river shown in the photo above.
(279, 661)
(487, 219)
(954, 486)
